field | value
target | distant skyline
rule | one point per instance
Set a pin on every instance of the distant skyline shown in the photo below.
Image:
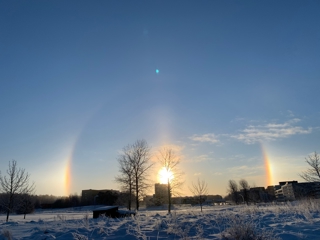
(232, 86)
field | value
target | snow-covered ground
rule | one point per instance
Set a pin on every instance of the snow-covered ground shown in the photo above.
(296, 220)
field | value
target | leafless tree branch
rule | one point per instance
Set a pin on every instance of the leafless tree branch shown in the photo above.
(313, 173)
(170, 162)
(16, 182)
(233, 190)
(134, 166)
(199, 190)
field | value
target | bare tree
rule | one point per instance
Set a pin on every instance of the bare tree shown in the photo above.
(141, 165)
(233, 190)
(25, 204)
(134, 167)
(245, 189)
(170, 162)
(313, 173)
(17, 182)
(199, 190)
(126, 177)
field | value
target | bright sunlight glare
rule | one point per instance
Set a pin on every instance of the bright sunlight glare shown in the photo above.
(164, 175)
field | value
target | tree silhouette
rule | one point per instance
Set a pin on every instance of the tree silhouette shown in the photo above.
(17, 182)
(134, 166)
(245, 190)
(199, 190)
(170, 162)
(313, 173)
(233, 190)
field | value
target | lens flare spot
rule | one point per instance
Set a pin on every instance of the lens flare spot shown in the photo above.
(165, 175)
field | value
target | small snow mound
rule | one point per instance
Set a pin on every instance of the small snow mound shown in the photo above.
(42, 236)
(10, 223)
(66, 236)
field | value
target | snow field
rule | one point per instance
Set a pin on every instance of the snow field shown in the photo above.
(295, 220)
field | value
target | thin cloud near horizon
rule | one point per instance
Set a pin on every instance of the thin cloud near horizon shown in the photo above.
(258, 133)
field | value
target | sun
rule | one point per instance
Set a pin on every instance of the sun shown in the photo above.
(164, 175)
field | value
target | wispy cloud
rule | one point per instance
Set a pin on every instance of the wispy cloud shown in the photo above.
(290, 113)
(270, 131)
(258, 132)
(201, 158)
(238, 119)
(197, 174)
(245, 170)
(209, 137)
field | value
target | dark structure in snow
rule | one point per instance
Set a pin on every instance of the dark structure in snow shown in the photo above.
(111, 211)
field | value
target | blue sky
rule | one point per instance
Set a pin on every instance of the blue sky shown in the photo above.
(79, 82)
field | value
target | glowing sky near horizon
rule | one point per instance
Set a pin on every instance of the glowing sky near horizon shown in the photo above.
(214, 79)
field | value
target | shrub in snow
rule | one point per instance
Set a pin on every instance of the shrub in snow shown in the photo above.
(249, 210)
(61, 217)
(186, 226)
(86, 220)
(244, 228)
(135, 229)
(6, 234)
(178, 226)
(307, 208)
(77, 236)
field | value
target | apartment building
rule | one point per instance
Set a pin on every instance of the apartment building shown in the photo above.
(292, 190)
